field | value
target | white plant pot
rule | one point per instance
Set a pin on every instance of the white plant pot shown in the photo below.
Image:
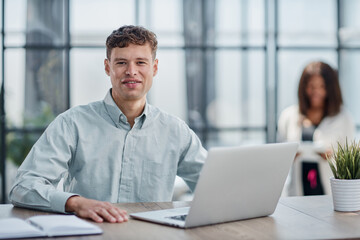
(346, 194)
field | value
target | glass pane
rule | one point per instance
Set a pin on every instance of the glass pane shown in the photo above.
(307, 22)
(240, 22)
(89, 81)
(36, 88)
(169, 86)
(15, 24)
(165, 18)
(349, 80)
(91, 21)
(14, 86)
(291, 65)
(235, 138)
(35, 22)
(1, 20)
(350, 29)
(239, 89)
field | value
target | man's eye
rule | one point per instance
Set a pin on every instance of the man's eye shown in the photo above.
(121, 63)
(141, 63)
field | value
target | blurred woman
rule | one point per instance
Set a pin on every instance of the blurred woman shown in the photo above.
(319, 121)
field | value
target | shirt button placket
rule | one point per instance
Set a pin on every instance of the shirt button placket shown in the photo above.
(125, 182)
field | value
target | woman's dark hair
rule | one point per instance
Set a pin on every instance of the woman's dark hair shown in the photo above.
(333, 100)
(126, 35)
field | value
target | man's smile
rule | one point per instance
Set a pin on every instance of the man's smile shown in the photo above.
(131, 83)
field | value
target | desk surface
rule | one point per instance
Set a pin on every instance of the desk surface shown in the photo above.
(294, 218)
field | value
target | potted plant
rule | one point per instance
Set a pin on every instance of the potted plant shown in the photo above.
(345, 185)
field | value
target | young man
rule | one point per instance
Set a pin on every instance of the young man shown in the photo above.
(120, 149)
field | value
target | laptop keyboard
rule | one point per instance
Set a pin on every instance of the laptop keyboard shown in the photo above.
(179, 217)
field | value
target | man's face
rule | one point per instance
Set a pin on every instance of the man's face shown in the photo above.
(131, 70)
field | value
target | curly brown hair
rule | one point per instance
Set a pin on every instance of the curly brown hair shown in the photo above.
(129, 34)
(333, 99)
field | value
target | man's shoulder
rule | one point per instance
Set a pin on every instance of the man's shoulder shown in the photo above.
(82, 110)
(164, 117)
(167, 120)
(173, 127)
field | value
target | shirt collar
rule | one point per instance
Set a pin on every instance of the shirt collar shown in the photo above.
(140, 120)
(118, 116)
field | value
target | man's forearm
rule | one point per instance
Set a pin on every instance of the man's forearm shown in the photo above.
(44, 198)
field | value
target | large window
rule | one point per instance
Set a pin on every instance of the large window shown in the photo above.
(226, 67)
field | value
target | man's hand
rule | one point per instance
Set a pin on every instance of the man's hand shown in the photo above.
(98, 211)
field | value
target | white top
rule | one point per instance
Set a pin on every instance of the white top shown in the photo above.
(327, 134)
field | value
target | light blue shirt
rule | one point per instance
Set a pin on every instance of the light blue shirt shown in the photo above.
(99, 156)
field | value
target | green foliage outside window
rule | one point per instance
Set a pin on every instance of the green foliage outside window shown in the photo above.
(19, 143)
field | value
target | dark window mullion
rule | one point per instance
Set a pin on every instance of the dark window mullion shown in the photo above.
(26, 130)
(67, 51)
(2, 109)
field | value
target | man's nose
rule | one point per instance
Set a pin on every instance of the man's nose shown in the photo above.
(131, 69)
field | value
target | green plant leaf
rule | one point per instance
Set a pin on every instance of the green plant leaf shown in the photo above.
(332, 167)
(345, 160)
(357, 176)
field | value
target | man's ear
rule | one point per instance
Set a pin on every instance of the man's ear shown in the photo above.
(107, 66)
(155, 67)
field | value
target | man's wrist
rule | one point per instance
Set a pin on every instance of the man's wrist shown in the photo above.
(71, 203)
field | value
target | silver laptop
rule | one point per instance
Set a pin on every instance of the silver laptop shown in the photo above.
(235, 183)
